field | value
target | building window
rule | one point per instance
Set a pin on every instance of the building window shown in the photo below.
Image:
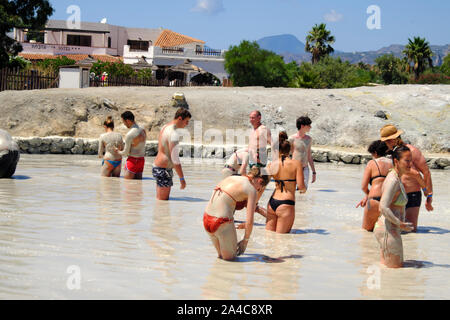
(109, 42)
(77, 40)
(137, 45)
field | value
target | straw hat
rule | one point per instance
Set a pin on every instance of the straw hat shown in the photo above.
(389, 132)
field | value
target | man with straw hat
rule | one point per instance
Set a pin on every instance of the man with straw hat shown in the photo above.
(392, 137)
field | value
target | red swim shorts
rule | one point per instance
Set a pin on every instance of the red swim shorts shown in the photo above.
(135, 165)
(211, 223)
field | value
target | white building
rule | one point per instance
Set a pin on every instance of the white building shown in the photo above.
(160, 47)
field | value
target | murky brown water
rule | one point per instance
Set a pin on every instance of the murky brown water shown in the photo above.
(58, 215)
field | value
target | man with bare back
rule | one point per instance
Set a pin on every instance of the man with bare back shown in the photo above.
(134, 147)
(167, 157)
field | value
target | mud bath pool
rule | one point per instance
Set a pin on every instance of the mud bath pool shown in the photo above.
(67, 233)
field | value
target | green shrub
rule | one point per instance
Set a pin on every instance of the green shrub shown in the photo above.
(53, 65)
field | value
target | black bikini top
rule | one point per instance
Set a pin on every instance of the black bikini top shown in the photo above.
(282, 183)
(376, 177)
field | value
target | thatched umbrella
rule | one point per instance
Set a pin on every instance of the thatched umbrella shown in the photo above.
(188, 68)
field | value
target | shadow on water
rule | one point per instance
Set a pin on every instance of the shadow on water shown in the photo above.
(307, 231)
(20, 178)
(327, 190)
(254, 224)
(266, 259)
(188, 199)
(423, 264)
(432, 230)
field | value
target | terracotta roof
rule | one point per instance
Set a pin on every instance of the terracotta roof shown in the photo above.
(169, 38)
(76, 57)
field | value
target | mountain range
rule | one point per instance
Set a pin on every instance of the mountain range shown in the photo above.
(292, 49)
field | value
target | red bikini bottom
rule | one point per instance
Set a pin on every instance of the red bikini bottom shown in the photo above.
(211, 223)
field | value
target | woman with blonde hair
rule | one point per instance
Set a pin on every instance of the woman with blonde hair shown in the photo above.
(107, 145)
(218, 221)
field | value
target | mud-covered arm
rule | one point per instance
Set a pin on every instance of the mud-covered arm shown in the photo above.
(390, 187)
(101, 148)
(128, 142)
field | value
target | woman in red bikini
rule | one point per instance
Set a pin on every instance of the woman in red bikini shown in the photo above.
(232, 192)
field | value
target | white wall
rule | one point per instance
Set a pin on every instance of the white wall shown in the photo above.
(69, 78)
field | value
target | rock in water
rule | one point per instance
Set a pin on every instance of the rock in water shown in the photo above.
(9, 155)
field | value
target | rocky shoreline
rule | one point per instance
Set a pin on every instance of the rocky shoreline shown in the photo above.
(79, 146)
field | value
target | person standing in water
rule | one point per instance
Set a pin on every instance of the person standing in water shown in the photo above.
(236, 164)
(392, 137)
(288, 175)
(301, 148)
(168, 155)
(107, 145)
(260, 138)
(392, 208)
(374, 175)
(218, 219)
(134, 147)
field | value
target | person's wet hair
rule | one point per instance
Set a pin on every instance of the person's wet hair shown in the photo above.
(128, 115)
(398, 152)
(256, 172)
(303, 121)
(109, 122)
(183, 113)
(379, 147)
(284, 145)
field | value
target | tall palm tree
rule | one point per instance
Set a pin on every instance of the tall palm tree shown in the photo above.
(318, 42)
(419, 53)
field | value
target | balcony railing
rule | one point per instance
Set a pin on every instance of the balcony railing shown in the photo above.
(208, 52)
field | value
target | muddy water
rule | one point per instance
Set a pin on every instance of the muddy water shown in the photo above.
(67, 233)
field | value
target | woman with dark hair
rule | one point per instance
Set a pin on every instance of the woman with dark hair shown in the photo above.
(392, 208)
(218, 221)
(288, 174)
(374, 175)
(108, 143)
(392, 136)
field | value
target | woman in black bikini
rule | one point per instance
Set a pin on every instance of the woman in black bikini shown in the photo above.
(288, 174)
(374, 175)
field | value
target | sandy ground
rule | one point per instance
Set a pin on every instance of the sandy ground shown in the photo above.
(342, 118)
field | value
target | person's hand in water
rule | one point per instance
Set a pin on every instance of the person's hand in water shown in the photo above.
(406, 226)
(363, 202)
(183, 184)
(302, 191)
(314, 178)
(241, 247)
(241, 226)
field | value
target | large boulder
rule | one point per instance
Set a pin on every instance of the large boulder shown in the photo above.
(9, 155)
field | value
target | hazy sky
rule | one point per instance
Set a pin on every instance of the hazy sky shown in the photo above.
(222, 23)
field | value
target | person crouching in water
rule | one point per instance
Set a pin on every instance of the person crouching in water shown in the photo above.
(392, 208)
(218, 218)
(236, 164)
(288, 174)
(107, 145)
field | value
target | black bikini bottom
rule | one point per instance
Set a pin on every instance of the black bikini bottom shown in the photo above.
(274, 204)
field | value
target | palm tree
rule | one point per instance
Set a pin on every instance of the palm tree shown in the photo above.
(419, 53)
(318, 42)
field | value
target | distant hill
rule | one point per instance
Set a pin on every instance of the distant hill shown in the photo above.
(285, 43)
(293, 49)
